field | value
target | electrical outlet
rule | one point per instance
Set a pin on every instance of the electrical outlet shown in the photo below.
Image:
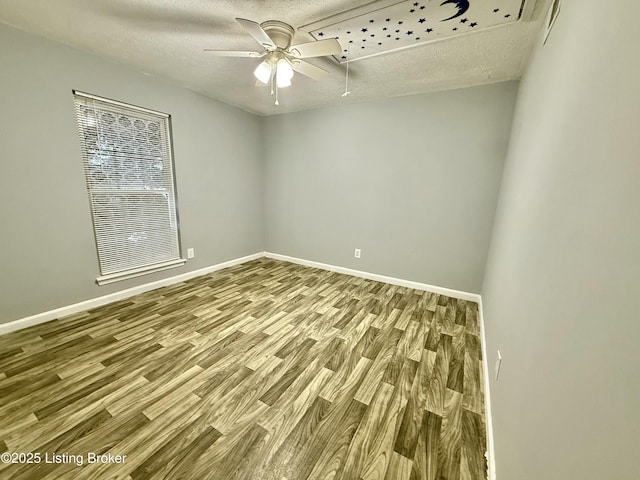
(357, 253)
(191, 253)
(498, 364)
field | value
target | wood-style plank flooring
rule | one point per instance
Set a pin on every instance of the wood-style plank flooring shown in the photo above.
(263, 371)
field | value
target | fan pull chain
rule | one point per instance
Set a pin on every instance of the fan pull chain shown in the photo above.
(346, 81)
(273, 79)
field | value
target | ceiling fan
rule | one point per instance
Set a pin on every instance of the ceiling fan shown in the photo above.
(281, 58)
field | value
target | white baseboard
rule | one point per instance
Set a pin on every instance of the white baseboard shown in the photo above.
(474, 297)
(491, 459)
(114, 297)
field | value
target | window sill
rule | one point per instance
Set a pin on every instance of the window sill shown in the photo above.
(116, 277)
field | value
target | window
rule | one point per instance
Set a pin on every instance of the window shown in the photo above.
(126, 152)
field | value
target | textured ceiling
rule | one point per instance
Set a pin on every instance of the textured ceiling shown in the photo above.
(166, 38)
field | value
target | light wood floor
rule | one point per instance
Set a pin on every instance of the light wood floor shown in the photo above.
(264, 371)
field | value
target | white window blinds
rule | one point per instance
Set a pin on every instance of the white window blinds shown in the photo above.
(126, 152)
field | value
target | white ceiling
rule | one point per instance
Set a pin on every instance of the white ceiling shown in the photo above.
(167, 37)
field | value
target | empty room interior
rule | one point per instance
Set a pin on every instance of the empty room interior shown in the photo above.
(320, 239)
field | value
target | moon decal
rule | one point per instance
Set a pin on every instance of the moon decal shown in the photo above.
(461, 5)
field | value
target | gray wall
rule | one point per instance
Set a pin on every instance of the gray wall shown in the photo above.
(47, 250)
(563, 277)
(412, 181)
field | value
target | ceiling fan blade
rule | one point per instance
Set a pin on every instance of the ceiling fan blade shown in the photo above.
(309, 70)
(255, 30)
(233, 53)
(329, 46)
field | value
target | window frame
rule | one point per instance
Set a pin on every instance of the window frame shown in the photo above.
(173, 234)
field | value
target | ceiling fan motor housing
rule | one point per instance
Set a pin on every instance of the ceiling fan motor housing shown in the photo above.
(281, 33)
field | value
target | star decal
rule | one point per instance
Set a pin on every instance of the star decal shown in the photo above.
(377, 30)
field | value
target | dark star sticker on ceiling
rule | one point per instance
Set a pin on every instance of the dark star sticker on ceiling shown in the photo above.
(496, 10)
(422, 20)
(464, 20)
(473, 24)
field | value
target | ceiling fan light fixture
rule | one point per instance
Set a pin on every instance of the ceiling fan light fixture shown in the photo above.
(263, 72)
(284, 73)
